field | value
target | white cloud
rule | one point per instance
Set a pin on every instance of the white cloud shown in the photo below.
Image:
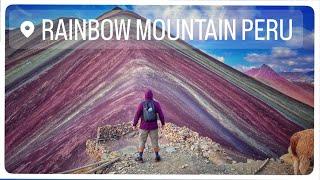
(11, 28)
(290, 63)
(302, 69)
(308, 41)
(219, 58)
(255, 57)
(301, 38)
(307, 58)
(282, 52)
(281, 59)
(243, 68)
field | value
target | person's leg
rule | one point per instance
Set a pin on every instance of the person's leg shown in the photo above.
(155, 144)
(143, 135)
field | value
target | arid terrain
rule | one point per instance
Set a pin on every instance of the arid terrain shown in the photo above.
(183, 152)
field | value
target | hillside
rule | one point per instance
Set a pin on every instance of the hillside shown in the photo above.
(57, 97)
(299, 91)
(183, 152)
(302, 77)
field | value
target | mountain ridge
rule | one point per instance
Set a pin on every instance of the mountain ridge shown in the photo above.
(267, 75)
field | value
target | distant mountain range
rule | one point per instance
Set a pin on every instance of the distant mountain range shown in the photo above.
(303, 77)
(295, 85)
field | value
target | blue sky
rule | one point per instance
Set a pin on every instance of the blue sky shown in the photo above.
(293, 55)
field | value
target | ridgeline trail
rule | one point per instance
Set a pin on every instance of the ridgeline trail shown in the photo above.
(182, 151)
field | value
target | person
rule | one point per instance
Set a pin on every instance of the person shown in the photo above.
(148, 111)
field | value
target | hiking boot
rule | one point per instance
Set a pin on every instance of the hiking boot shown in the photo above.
(139, 159)
(158, 158)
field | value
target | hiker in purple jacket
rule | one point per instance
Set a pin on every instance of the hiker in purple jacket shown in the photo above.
(148, 111)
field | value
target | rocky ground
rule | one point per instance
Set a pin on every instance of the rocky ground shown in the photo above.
(183, 152)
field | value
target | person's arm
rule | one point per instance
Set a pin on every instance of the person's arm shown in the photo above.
(137, 115)
(160, 113)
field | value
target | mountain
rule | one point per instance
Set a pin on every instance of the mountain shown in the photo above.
(19, 48)
(264, 71)
(301, 77)
(57, 97)
(306, 86)
(268, 76)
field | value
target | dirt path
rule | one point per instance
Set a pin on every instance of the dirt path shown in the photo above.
(183, 158)
(178, 162)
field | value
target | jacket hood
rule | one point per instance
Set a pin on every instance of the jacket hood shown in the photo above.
(148, 95)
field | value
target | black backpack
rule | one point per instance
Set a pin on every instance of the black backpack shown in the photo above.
(149, 111)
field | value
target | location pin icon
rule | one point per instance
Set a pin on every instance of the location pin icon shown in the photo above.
(27, 28)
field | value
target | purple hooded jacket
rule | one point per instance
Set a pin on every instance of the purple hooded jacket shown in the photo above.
(139, 114)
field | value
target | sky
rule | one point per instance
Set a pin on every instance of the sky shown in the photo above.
(295, 55)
